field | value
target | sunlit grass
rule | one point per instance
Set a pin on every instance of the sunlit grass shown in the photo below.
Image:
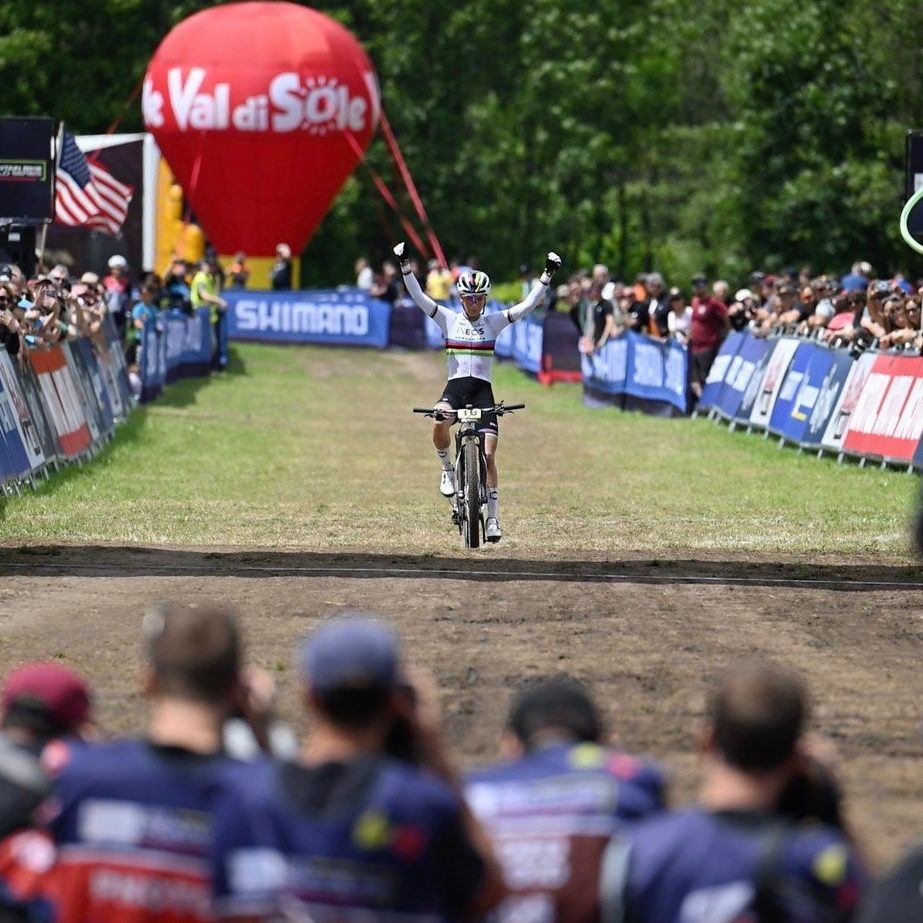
(316, 448)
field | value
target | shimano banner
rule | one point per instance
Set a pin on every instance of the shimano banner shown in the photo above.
(347, 317)
(638, 367)
(657, 371)
(605, 371)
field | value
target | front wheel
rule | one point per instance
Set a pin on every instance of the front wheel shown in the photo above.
(471, 526)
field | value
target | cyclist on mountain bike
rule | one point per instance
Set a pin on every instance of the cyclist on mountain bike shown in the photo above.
(470, 336)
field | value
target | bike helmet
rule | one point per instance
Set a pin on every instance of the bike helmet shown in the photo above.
(473, 283)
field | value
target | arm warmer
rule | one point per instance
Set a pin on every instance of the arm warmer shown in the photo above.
(529, 304)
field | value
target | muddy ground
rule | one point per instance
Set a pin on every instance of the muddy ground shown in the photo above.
(646, 636)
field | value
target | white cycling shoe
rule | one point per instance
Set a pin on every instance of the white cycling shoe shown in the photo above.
(447, 484)
(492, 530)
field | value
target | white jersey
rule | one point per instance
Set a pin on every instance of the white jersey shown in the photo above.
(469, 345)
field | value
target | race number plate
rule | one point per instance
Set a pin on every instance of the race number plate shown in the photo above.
(469, 413)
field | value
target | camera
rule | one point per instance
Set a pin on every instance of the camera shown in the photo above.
(813, 794)
(402, 742)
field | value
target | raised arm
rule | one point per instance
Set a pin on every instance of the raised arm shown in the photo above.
(531, 301)
(421, 299)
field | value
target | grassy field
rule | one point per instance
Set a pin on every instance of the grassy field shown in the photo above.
(315, 448)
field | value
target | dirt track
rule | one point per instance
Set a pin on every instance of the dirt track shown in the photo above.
(645, 635)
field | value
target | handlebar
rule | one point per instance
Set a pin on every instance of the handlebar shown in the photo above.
(498, 409)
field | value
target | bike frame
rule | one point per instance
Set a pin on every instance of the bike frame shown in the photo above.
(467, 435)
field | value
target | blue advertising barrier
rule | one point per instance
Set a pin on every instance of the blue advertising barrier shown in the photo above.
(657, 371)
(755, 380)
(636, 366)
(781, 420)
(739, 375)
(188, 344)
(15, 459)
(828, 386)
(341, 317)
(527, 343)
(60, 404)
(174, 347)
(717, 374)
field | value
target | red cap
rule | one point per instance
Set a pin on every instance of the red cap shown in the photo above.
(61, 691)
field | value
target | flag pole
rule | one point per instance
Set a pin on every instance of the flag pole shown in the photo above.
(41, 247)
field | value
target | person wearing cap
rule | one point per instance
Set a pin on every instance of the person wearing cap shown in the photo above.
(767, 840)
(280, 275)
(117, 293)
(41, 702)
(740, 311)
(135, 817)
(555, 800)
(367, 822)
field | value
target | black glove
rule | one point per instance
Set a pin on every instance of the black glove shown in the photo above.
(552, 265)
(400, 251)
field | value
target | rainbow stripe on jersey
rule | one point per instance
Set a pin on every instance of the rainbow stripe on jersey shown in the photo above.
(469, 347)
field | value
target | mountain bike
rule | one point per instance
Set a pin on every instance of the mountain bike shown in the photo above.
(470, 467)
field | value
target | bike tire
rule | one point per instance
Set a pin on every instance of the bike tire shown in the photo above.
(472, 511)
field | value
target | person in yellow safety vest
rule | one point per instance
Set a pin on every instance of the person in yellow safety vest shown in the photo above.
(205, 295)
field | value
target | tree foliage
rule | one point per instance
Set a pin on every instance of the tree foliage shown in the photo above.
(681, 135)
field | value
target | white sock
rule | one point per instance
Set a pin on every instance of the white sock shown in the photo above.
(445, 460)
(493, 498)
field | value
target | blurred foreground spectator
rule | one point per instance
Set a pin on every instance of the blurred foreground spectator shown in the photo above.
(551, 808)
(134, 821)
(41, 702)
(368, 823)
(766, 843)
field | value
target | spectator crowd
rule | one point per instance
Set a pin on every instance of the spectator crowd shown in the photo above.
(858, 309)
(369, 819)
(54, 305)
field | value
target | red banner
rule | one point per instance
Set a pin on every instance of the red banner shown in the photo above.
(61, 400)
(888, 420)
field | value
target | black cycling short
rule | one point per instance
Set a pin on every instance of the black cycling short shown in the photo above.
(459, 392)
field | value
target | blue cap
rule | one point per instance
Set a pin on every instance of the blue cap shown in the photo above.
(351, 651)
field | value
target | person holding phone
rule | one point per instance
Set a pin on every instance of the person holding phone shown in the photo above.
(368, 819)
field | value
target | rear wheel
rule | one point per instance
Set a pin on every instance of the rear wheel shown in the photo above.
(472, 511)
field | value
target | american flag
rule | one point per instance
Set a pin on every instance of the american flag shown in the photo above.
(86, 193)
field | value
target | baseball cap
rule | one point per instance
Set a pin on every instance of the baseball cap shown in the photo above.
(117, 262)
(742, 294)
(50, 692)
(699, 279)
(6, 273)
(352, 651)
(90, 278)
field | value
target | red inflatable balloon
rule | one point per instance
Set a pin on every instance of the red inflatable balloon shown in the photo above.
(261, 110)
